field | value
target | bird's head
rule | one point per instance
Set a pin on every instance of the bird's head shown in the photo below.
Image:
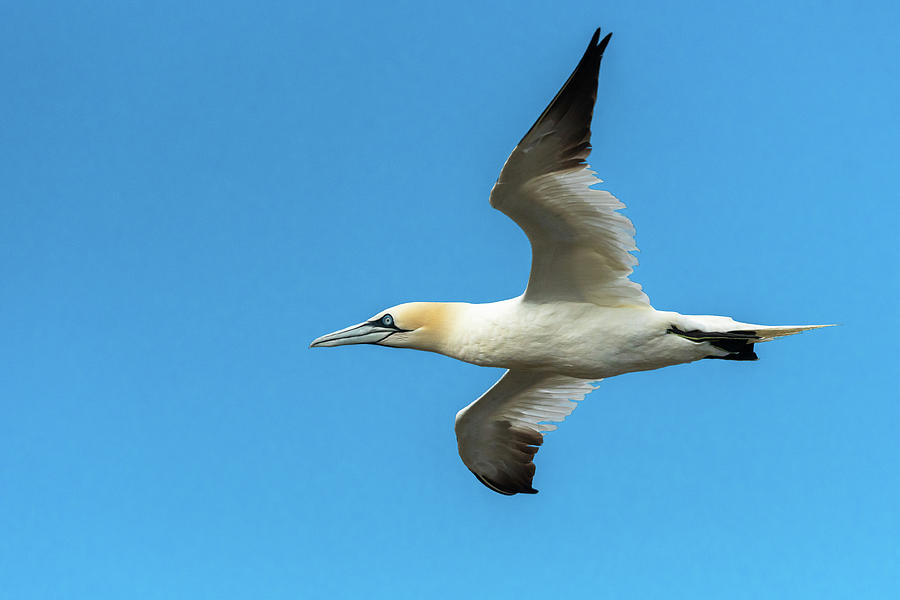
(419, 325)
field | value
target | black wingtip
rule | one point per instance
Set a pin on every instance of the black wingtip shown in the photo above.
(492, 485)
(564, 128)
(593, 54)
(603, 43)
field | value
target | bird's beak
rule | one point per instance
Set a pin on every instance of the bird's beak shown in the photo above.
(364, 333)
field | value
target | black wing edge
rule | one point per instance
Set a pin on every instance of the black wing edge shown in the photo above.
(568, 116)
(526, 444)
(500, 490)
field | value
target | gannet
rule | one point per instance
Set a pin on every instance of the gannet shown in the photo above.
(580, 319)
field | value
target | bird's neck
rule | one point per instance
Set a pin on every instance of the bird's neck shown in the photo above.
(437, 325)
(464, 331)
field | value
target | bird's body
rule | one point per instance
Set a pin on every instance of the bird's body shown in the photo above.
(581, 318)
(577, 339)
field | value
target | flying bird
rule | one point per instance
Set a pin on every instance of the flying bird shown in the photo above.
(581, 318)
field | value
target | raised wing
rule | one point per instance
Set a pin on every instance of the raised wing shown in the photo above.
(580, 244)
(499, 434)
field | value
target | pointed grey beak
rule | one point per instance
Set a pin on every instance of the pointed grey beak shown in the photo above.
(364, 333)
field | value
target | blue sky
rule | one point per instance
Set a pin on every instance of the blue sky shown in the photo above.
(192, 193)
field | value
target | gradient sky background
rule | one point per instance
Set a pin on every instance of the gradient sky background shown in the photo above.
(192, 192)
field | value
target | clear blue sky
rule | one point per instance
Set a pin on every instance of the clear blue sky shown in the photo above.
(191, 193)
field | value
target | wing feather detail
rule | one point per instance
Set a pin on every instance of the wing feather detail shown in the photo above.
(499, 434)
(581, 245)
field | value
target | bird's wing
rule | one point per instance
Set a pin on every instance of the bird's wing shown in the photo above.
(580, 244)
(499, 434)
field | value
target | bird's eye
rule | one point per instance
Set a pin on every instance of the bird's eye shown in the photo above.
(387, 320)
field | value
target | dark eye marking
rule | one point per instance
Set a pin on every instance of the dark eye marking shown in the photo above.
(387, 321)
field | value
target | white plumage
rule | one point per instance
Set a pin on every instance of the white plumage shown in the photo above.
(580, 245)
(581, 318)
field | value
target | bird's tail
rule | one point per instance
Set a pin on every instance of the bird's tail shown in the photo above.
(732, 340)
(767, 333)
